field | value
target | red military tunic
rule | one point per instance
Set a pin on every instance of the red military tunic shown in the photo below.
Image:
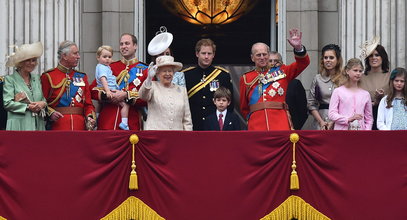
(130, 74)
(67, 91)
(262, 95)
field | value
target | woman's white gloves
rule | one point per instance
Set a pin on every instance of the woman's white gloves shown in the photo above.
(152, 70)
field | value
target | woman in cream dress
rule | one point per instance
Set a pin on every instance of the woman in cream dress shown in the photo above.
(168, 106)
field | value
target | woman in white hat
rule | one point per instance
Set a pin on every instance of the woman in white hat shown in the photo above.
(168, 106)
(22, 97)
(377, 75)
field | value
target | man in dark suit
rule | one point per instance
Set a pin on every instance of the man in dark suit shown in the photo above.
(202, 81)
(296, 98)
(222, 119)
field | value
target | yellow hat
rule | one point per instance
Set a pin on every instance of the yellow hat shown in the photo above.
(368, 47)
(25, 52)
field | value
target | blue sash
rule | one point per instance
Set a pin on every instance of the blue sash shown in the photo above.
(255, 97)
(133, 74)
(67, 98)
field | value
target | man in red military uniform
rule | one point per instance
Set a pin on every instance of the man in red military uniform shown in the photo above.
(263, 90)
(130, 74)
(67, 92)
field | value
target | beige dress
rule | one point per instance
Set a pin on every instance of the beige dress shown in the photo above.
(373, 81)
(168, 107)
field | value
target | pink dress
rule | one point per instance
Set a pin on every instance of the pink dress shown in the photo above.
(345, 103)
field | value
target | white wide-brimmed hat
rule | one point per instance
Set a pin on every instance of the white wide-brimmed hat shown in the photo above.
(160, 42)
(168, 61)
(368, 47)
(25, 52)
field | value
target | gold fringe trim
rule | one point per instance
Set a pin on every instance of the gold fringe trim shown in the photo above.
(132, 208)
(295, 207)
(294, 180)
(124, 75)
(1, 218)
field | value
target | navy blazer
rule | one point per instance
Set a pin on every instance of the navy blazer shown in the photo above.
(232, 122)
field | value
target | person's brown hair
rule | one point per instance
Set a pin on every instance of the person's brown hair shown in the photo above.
(223, 92)
(205, 42)
(392, 93)
(336, 77)
(133, 38)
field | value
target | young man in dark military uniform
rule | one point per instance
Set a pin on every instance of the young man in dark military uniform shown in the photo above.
(202, 81)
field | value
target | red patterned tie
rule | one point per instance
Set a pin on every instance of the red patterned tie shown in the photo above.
(221, 121)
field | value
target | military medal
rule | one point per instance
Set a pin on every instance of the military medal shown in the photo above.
(78, 98)
(272, 92)
(214, 85)
(280, 91)
(139, 72)
(80, 91)
(78, 81)
(136, 82)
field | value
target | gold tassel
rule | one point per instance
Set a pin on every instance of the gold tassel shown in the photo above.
(133, 182)
(294, 180)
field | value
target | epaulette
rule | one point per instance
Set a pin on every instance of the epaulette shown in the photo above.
(221, 68)
(249, 71)
(141, 65)
(76, 71)
(188, 69)
(47, 71)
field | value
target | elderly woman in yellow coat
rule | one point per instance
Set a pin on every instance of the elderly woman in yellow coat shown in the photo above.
(22, 93)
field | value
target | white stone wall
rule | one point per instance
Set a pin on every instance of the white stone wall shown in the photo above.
(48, 21)
(363, 19)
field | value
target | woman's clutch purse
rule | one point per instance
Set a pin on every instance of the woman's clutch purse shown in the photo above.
(21, 97)
(354, 125)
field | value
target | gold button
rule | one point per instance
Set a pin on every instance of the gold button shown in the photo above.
(204, 97)
(203, 119)
(203, 107)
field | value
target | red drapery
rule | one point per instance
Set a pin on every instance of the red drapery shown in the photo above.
(202, 175)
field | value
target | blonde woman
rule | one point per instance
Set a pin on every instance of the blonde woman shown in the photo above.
(23, 98)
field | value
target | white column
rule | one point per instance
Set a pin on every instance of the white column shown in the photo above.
(139, 28)
(282, 29)
(48, 21)
(363, 19)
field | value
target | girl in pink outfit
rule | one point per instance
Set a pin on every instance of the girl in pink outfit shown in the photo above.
(351, 107)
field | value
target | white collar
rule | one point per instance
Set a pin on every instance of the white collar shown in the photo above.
(223, 113)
